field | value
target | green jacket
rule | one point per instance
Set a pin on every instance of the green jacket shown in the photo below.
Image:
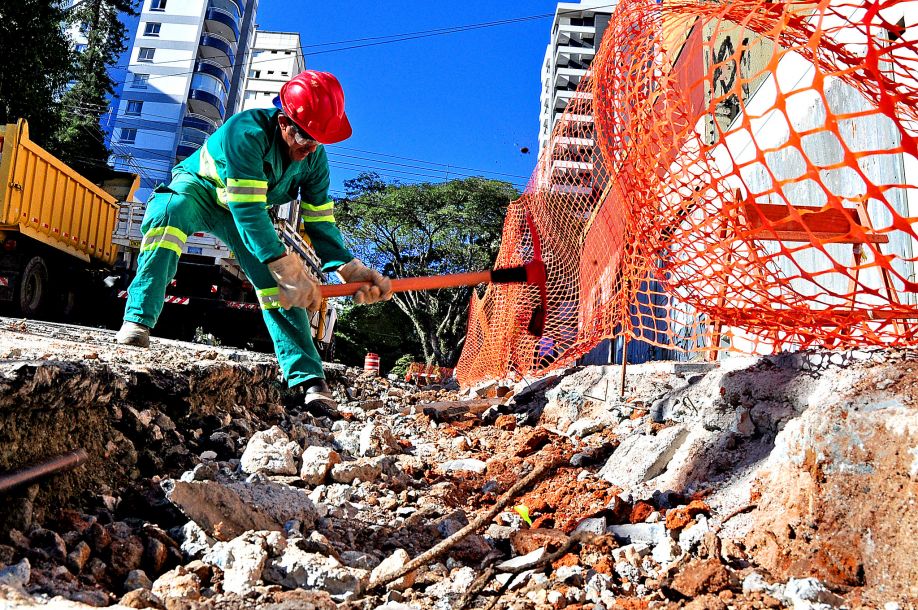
(243, 165)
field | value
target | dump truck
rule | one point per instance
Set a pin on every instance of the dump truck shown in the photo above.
(55, 227)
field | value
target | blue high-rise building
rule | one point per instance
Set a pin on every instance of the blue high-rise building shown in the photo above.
(185, 76)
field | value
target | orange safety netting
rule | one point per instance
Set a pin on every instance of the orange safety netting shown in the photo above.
(728, 176)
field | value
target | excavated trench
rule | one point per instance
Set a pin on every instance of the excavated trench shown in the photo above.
(137, 413)
(788, 481)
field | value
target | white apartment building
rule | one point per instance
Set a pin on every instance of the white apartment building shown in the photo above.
(276, 58)
(186, 67)
(576, 34)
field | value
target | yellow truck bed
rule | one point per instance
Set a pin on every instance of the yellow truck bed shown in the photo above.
(43, 198)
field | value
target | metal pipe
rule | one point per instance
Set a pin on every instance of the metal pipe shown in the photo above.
(67, 461)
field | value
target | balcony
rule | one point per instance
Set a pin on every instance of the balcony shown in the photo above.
(217, 49)
(200, 122)
(184, 151)
(230, 7)
(219, 21)
(215, 70)
(205, 99)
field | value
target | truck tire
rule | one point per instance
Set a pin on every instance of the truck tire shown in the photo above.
(34, 288)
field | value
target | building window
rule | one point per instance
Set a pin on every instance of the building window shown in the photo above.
(140, 81)
(270, 71)
(152, 29)
(255, 74)
(145, 54)
(134, 107)
(128, 136)
(157, 5)
(285, 74)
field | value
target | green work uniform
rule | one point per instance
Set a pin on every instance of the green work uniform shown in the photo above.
(226, 189)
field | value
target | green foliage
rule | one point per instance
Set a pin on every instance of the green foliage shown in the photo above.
(79, 140)
(402, 364)
(36, 62)
(427, 229)
(380, 328)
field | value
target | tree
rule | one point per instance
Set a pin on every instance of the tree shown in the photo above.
(427, 229)
(35, 64)
(80, 140)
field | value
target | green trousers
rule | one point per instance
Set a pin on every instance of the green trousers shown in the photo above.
(184, 207)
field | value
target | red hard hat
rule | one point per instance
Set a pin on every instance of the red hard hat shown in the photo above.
(315, 102)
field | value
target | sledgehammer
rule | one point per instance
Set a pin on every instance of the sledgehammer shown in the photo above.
(533, 272)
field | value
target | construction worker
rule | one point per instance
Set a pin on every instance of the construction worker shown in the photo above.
(258, 159)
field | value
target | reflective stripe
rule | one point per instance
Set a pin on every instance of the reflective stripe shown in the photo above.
(245, 183)
(209, 167)
(318, 213)
(246, 191)
(169, 238)
(209, 171)
(269, 298)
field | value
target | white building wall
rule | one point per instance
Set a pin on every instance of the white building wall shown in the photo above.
(276, 58)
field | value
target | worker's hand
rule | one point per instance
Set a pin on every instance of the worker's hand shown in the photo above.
(297, 289)
(356, 271)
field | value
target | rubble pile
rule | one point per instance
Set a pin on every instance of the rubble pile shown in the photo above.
(749, 485)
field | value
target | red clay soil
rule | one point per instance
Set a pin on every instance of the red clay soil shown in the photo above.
(562, 501)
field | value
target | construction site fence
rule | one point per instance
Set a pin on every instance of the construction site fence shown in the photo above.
(426, 374)
(727, 177)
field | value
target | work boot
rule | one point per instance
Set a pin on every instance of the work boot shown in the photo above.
(134, 334)
(319, 401)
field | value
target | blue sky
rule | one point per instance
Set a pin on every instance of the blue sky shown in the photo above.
(468, 99)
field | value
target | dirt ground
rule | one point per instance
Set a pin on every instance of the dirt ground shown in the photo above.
(789, 481)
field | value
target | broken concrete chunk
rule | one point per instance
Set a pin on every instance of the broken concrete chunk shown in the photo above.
(692, 536)
(177, 583)
(357, 559)
(376, 440)
(16, 576)
(648, 533)
(270, 451)
(195, 541)
(297, 569)
(666, 551)
(137, 579)
(803, 592)
(591, 525)
(364, 469)
(317, 463)
(467, 465)
(392, 564)
(243, 559)
(642, 457)
(452, 587)
(226, 511)
(522, 561)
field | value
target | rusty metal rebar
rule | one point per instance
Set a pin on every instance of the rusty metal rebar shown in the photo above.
(67, 461)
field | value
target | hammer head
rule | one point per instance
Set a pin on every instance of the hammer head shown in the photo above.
(537, 275)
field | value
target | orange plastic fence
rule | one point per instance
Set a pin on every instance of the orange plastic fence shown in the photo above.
(728, 176)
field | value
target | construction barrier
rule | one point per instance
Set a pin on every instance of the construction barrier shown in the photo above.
(426, 374)
(732, 176)
(371, 364)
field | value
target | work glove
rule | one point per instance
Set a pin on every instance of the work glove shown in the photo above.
(356, 271)
(297, 289)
